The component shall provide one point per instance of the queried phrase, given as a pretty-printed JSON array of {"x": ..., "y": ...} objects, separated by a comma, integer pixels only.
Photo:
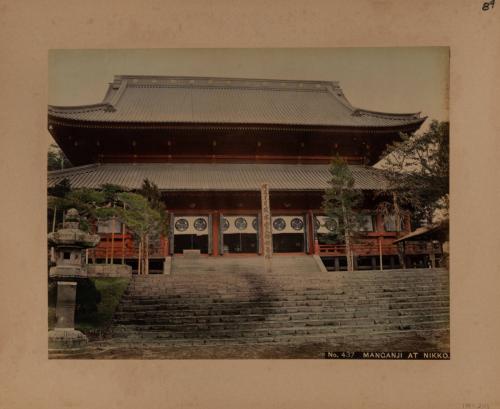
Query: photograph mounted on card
[{"x": 249, "y": 203}]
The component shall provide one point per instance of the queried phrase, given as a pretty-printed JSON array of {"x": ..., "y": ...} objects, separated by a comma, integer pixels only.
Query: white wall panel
[
  {"x": 189, "y": 222},
  {"x": 247, "y": 224},
  {"x": 289, "y": 221}
]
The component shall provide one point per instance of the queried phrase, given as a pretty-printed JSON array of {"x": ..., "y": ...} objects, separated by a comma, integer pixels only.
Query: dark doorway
[
  {"x": 288, "y": 243},
  {"x": 240, "y": 243},
  {"x": 190, "y": 242}
]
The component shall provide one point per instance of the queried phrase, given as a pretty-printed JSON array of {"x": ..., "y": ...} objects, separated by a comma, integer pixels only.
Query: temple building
[{"x": 210, "y": 144}]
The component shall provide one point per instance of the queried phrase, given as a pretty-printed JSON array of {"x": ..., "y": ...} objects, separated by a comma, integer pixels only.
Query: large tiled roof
[
  {"x": 218, "y": 177},
  {"x": 158, "y": 99}
]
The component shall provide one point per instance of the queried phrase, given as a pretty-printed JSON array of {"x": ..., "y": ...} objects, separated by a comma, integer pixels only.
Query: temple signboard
[{"x": 267, "y": 235}]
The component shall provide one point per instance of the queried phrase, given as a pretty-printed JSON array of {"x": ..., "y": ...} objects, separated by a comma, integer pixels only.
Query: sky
[{"x": 413, "y": 79}]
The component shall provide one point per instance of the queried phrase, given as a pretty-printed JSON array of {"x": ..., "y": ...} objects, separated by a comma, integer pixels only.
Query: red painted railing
[
  {"x": 123, "y": 246},
  {"x": 374, "y": 249}
]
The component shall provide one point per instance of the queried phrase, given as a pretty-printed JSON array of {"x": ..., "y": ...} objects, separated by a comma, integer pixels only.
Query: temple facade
[{"x": 210, "y": 144}]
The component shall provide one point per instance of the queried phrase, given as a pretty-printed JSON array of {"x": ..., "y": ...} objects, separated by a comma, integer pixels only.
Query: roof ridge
[
  {"x": 222, "y": 82},
  {"x": 195, "y": 77}
]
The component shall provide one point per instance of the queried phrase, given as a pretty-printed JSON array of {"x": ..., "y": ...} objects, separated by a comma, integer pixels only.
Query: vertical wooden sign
[{"x": 267, "y": 235}]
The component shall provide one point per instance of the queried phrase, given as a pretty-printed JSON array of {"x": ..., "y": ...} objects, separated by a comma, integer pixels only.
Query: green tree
[
  {"x": 418, "y": 170},
  {"x": 340, "y": 203},
  {"x": 152, "y": 193},
  {"x": 56, "y": 159},
  {"x": 144, "y": 221},
  {"x": 144, "y": 214},
  {"x": 55, "y": 196}
]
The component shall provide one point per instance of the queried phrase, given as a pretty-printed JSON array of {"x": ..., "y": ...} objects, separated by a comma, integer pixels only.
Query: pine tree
[
  {"x": 418, "y": 169},
  {"x": 340, "y": 202},
  {"x": 154, "y": 197},
  {"x": 143, "y": 221}
]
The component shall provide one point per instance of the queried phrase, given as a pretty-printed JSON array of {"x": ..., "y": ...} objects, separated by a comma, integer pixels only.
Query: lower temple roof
[{"x": 214, "y": 176}]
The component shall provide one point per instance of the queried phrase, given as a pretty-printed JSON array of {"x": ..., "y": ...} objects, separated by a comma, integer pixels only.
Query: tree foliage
[
  {"x": 341, "y": 202},
  {"x": 56, "y": 159},
  {"x": 151, "y": 192},
  {"x": 144, "y": 213},
  {"x": 418, "y": 169}
]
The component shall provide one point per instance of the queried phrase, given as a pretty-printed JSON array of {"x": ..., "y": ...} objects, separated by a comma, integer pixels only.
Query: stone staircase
[
  {"x": 235, "y": 302},
  {"x": 243, "y": 264}
]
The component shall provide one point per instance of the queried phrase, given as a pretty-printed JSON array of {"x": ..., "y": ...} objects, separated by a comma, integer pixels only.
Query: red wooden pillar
[
  {"x": 310, "y": 233},
  {"x": 215, "y": 233},
  {"x": 316, "y": 247}
]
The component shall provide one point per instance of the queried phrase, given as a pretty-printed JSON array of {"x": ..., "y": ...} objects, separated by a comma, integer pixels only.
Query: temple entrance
[
  {"x": 289, "y": 234},
  {"x": 191, "y": 233},
  {"x": 239, "y": 234}
]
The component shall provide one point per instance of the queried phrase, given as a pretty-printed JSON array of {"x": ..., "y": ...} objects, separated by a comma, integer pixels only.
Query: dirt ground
[{"x": 110, "y": 350}]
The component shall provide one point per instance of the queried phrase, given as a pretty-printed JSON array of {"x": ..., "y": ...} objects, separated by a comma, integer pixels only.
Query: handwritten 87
[{"x": 486, "y": 6}]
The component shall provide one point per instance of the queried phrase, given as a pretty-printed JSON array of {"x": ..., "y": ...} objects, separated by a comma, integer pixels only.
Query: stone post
[
  {"x": 65, "y": 336},
  {"x": 65, "y": 307}
]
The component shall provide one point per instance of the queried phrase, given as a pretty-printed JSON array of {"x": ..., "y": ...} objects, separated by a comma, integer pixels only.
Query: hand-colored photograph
[{"x": 248, "y": 203}]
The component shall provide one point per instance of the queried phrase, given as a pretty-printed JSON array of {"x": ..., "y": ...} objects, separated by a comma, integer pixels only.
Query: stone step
[
  {"x": 270, "y": 319},
  {"x": 394, "y": 302},
  {"x": 249, "y": 306},
  {"x": 359, "y": 338},
  {"x": 195, "y": 292},
  {"x": 187, "y": 316},
  {"x": 179, "y": 325},
  {"x": 285, "y": 285},
  {"x": 242, "y": 264},
  {"x": 257, "y": 333},
  {"x": 276, "y": 312},
  {"x": 359, "y": 275},
  {"x": 278, "y": 295}
]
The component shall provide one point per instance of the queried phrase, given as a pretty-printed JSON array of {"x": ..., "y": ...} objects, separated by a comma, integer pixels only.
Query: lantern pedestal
[{"x": 65, "y": 336}]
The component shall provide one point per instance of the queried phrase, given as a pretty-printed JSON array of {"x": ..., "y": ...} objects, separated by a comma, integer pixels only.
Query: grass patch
[{"x": 110, "y": 289}]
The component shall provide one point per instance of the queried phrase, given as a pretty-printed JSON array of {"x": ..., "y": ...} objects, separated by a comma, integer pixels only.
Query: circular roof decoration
[
  {"x": 297, "y": 224},
  {"x": 331, "y": 225},
  {"x": 182, "y": 224},
  {"x": 200, "y": 224},
  {"x": 254, "y": 224},
  {"x": 240, "y": 223},
  {"x": 279, "y": 224},
  {"x": 317, "y": 224},
  {"x": 225, "y": 224}
]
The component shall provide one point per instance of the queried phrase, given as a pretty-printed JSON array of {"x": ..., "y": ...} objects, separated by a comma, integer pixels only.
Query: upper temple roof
[{"x": 166, "y": 99}]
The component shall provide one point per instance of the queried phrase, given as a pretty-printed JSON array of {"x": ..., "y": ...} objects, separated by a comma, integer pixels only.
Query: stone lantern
[{"x": 69, "y": 243}]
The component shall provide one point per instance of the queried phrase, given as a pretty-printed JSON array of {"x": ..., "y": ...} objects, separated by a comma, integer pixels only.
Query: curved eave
[
  {"x": 78, "y": 108},
  {"x": 62, "y": 121}
]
